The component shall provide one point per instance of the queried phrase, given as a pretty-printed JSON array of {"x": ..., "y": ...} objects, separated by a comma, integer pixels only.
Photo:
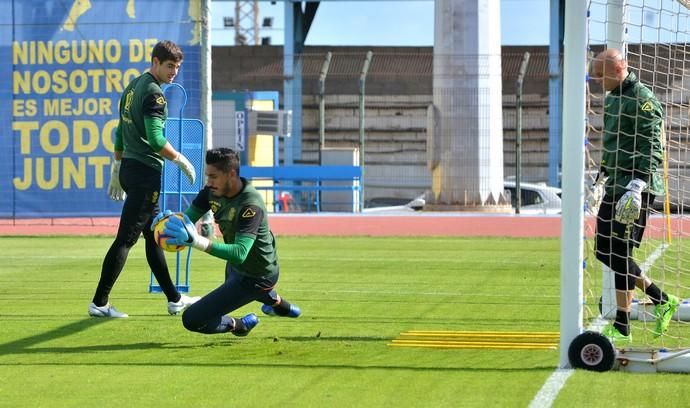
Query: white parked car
[
  {"x": 535, "y": 198},
  {"x": 393, "y": 205}
]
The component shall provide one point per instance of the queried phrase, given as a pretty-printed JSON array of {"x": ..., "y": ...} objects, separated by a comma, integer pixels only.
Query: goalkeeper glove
[
  {"x": 184, "y": 233},
  {"x": 159, "y": 217},
  {"x": 115, "y": 191},
  {"x": 596, "y": 193},
  {"x": 186, "y": 167},
  {"x": 629, "y": 206}
]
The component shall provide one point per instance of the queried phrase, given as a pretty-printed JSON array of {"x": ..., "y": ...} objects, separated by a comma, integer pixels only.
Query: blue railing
[{"x": 308, "y": 178}]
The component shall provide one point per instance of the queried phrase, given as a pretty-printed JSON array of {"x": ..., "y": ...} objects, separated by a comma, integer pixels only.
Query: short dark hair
[
  {"x": 167, "y": 51},
  {"x": 224, "y": 159}
]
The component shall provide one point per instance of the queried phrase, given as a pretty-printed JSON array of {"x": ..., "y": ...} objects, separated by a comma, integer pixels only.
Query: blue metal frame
[
  {"x": 154, "y": 287},
  {"x": 284, "y": 177},
  {"x": 555, "y": 86},
  {"x": 297, "y": 25}
]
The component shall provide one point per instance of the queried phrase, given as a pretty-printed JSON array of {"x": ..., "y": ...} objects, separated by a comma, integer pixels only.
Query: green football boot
[
  {"x": 615, "y": 336},
  {"x": 664, "y": 313}
]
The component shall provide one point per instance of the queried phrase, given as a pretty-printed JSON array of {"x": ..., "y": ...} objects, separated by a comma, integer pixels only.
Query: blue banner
[{"x": 63, "y": 65}]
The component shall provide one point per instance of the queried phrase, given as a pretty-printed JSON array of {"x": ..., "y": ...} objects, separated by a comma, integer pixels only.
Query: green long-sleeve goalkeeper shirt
[
  {"x": 633, "y": 137},
  {"x": 143, "y": 111},
  {"x": 249, "y": 243}
]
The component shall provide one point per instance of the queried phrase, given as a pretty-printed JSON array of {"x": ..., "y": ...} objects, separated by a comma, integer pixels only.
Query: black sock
[
  {"x": 622, "y": 322},
  {"x": 655, "y": 294},
  {"x": 282, "y": 308},
  {"x": 238, "y": 325}
]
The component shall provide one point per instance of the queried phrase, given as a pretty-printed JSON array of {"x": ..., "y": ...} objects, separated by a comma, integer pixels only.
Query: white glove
[
  {"x": 186, "y": 167},
  {"x": 115, "y": 191},
  {"x": 628, "y": 207},
  {"x": 596, "y": 194}
]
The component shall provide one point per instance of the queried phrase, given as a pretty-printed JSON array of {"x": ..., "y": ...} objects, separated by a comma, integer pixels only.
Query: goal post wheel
[{"x": 592, "y": 351}]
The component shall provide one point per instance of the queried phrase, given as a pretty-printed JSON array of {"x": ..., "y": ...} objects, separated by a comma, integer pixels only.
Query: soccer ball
[{"x": 161, "y": 238}]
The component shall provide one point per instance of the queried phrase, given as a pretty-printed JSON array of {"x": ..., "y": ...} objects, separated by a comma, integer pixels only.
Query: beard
[{"x": 224, "y": 191}]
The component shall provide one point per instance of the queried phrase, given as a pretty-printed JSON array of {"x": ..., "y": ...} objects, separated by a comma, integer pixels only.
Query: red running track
[
  {"x": 414, "y": 224},
  {"x": 329, "y": 225}
]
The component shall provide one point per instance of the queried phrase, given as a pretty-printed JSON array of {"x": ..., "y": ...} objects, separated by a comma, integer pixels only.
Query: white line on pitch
[
  {"x": 549, "y": 391},
  {"x": 653, "y": 257},
  {"x": 553, "y": 385}
]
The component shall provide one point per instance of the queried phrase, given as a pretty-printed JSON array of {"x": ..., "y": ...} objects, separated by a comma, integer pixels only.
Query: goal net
[{"x": 654, "y": 37}]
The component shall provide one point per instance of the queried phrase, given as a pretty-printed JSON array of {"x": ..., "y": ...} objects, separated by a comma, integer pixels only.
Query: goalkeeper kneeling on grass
[
  {"x": 249, "y": 248},
  {"x": 629, "y": 181}
]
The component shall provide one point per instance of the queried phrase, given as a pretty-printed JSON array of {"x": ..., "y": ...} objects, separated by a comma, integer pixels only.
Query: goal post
[
  {"x": 572, "y": 192},
  {"x": 654, "y": 36}
]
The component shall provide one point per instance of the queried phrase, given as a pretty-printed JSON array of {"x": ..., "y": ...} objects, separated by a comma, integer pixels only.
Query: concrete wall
[
  {"x": 395, "y": 147},
  {"x": 398, "y": 93}
]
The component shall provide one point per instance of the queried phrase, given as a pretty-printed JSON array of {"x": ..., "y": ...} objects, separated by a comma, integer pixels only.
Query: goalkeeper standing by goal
[
  {"x": 629, "y": 182},
  {"x": 249, "y": 247},
  {"x": 140, "y": 148}
]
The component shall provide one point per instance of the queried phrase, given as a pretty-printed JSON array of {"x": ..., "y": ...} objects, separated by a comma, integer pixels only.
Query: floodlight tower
[{"x": 247, "y": 22}]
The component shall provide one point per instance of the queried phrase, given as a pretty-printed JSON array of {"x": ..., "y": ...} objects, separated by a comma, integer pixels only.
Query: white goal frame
[
  {"x": 573, "y": 171},
  {"x": 573, "y": 167}
]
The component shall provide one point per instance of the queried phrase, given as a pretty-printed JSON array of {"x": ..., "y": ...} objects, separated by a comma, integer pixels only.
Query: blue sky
[{"x": 388, "y": 23}]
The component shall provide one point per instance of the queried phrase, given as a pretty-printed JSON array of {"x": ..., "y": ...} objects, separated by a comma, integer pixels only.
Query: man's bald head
[{"x": 609, "y": 68}]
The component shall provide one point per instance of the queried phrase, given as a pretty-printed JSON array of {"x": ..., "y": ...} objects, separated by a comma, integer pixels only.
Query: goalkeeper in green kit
[
  {"x": 140, "y": 148},
  {"x": 249, "y": 249},
  {"x": 629, "y": 181}
]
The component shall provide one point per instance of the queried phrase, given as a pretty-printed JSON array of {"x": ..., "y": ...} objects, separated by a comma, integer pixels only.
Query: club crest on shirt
[
  {"x": 248, "y": 213},
  {"x": 215, "y": 206},
  {"x": 647, "y": 106}
]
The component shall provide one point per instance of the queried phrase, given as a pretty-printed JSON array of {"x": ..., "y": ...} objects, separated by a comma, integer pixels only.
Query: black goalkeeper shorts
[
  {"x": 614, "y": 237},
  {"x": 142, "y": 184}
]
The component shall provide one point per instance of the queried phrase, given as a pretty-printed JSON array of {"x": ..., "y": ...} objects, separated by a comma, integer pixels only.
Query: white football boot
[
  {"x": 184, "y": 302},
  {"x": 105, "y": 311}
]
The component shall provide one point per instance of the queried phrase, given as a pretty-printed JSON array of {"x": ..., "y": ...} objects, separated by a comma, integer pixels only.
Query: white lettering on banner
[{"x": 240, "y": 134}]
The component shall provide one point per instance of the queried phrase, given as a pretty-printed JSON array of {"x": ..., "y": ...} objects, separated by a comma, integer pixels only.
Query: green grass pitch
[{"x": 357, "y": 294}]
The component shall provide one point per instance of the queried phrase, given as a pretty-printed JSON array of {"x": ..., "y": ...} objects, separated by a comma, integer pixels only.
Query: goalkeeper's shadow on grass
[
  {"x": 26, "y": 344},
  {"x": 105, "y": 348}
]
